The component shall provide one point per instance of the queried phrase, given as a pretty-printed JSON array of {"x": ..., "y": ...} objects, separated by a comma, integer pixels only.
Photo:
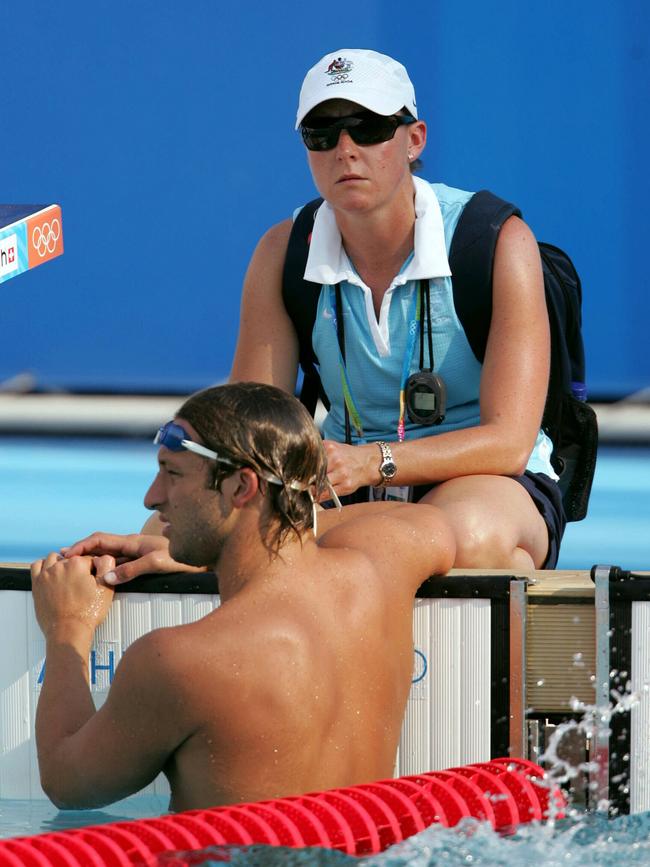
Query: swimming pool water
[
  {"x": 24, "y": 818},
  {"x": 591, "y": 840},
  {"x": 56, "y": 490},
  {"x": 579, "y": 842}
]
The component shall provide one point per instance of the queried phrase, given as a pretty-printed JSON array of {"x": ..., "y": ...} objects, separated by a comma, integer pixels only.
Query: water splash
[
  {"x": 593, "y": 840},
  {"x": 594, "y": 724}
]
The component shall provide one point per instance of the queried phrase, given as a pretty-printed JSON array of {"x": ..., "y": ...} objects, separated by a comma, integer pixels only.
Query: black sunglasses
[{"x": 364, "y": 129}]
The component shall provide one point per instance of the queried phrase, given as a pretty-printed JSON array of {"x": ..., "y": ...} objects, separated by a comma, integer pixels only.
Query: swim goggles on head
[
  {"x": 365, "y": 128},
  {"x": 175, "y": 438}
]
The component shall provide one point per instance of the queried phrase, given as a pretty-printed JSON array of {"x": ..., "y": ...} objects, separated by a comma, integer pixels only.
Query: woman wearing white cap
[{"x": 457, "y": 433}]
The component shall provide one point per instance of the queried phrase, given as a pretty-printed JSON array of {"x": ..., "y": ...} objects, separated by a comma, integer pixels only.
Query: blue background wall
[{"x": 165, "y": 131}]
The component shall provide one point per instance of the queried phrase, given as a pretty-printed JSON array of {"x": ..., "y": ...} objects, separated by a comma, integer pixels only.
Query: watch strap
[{"x": 386, "y": 458}]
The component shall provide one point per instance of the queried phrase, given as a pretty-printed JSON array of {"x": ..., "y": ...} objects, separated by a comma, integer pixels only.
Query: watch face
[{"x": 388, "y": 469}]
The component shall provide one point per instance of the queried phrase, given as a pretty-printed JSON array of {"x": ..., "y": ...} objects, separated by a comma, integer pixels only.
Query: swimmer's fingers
[
  {"x": 145, "y": 565},
  {"x": 103, "y": 566},
  {"x": 38, "y": 567},
  {"x": 155, "y": 562},
  {"x": 97, "y": 544}
]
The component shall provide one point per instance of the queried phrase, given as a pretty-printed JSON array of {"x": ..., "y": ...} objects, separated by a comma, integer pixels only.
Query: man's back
[{"x": 296, "y": 683}]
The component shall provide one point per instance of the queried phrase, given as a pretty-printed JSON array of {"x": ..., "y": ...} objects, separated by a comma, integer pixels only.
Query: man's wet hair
[{"x": 270, "y": 431}]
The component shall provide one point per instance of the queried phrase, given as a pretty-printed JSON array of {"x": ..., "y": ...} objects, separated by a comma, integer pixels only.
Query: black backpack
[{"x": 569, "y": 421}]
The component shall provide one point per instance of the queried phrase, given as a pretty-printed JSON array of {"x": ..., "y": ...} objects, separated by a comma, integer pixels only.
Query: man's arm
[{"x": 89, "y": 758}]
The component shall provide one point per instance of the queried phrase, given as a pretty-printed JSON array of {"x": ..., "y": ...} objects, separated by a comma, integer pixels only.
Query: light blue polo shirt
[{"x": 376, "y": 347}]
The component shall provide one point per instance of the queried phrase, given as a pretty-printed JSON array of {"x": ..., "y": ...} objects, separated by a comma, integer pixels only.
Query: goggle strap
[
  {"x": 205, "y": 452},
  {"x": 314, "y": 512},
  {"x": 333, "y": 494}
]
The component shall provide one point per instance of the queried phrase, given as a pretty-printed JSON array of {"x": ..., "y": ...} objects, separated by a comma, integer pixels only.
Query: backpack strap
[
  {"x": 300, "y": 298},
  {"x": 471, "y": 258}
]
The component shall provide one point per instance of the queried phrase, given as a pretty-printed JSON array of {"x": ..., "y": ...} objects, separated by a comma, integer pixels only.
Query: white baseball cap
[{"x": 373, "y": 80}]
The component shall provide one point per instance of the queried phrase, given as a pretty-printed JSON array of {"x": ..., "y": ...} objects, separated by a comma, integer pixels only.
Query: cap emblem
[{"x": 338, "y": 70}]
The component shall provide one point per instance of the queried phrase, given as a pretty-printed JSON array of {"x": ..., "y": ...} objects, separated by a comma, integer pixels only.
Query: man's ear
[{"x": 245, "y": 488}]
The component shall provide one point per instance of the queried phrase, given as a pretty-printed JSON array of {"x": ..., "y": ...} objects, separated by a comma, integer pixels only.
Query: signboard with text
[{"x": 29, "y": 236}]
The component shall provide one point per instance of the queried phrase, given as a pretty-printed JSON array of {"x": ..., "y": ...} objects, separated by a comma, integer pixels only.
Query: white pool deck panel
[
  {"x": 451, "y": 692},
  {"x": 448, "y": 719}
]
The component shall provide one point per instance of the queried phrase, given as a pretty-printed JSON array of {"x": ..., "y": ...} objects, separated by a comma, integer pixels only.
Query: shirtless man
[{"x": 298, "y": 681}]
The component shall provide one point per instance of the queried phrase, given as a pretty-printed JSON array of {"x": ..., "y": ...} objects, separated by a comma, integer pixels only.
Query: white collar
[{"x": 328, "y": 262}]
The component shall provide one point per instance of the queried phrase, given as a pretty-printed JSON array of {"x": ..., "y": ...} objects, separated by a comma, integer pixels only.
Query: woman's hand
[{"x": 351, "y": 467}]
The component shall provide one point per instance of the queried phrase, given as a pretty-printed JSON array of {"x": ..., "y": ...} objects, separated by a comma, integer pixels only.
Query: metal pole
[
  {"x": 518, "y": 742},
  {"x": 599, "y": 777}
]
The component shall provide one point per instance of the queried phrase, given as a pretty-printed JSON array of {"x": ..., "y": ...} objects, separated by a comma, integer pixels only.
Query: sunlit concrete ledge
[
  {"x": 623, "y": 422},
  {"x": 113, "y": 415},
  {"x": 140, "y": 415}
]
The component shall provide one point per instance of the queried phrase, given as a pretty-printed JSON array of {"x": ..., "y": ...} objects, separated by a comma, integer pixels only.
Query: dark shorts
[{"x": 546, "y": 495}]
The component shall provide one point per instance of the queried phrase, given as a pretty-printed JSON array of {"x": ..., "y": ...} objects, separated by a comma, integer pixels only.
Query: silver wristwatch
[{"x": 387, "y": 467}]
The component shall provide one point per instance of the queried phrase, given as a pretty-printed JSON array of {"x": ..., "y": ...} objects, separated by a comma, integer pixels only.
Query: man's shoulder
[
  {"x": 374, "y": 531},
  {"x": 411, "y": 540},
  {"x": 165, "y": 659},
  {"x": 165, "y": 648}
]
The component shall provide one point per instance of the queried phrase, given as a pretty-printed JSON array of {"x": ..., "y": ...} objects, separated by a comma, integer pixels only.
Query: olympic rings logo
[
  {"x": 45, "y": 237},
  {"x": 338, "y": 78}
]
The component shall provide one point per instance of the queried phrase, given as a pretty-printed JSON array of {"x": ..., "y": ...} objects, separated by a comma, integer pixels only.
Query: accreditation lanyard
[{"x": 413, "y": 328}]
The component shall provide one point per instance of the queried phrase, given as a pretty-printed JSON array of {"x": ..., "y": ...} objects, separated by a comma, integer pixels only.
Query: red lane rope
[{"x": 357, "y": 820}]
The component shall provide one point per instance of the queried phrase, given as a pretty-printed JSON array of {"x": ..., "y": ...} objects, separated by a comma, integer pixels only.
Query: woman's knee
[
  {"x": 492, "y": 523},
  {"x": 485, "y": 539},
  {"x": 483, "y": 546}
]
